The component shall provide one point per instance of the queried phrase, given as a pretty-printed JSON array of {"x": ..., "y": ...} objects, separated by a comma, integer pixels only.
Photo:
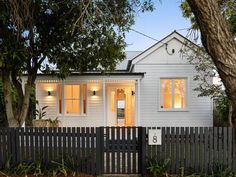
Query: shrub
[{"x": 158, "y": 168}]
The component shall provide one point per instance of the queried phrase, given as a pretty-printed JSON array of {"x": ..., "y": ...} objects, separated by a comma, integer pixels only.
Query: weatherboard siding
[
  {"x": 94, "y": 116},
  {"x": 199, "y": 109}
]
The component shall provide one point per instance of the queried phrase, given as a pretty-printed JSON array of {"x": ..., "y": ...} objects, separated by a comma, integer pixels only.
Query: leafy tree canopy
[{"x": 80, "y": 35}]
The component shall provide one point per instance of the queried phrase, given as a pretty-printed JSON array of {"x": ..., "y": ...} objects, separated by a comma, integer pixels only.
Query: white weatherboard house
[{"x": 150, "y": 88}]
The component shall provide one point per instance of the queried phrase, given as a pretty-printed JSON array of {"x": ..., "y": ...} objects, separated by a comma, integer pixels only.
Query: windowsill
[
  {"x": 73, "y": 115},
  {"x": 173, "y": 110}
]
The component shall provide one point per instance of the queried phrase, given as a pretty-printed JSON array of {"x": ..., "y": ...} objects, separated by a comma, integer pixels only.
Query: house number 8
[{"x": 154, "y": 139}]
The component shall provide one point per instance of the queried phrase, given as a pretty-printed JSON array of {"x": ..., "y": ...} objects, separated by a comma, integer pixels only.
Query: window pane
[
  {"x": 84, "y": 98},
  {"x": 59, "y": 98},
  {"x": 72, "y": 106},
  {"x": 180, "y": 93},
  {"x": 72, "y": 91},
  {"x": 166, "y": 93}
]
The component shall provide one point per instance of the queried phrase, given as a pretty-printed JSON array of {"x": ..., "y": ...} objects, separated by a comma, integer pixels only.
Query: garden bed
[{"x": 2, "y": 174}]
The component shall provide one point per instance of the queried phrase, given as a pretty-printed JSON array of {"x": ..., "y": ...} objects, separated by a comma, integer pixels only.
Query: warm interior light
[
  {"x": 173, "y": 91},
  {"x": 72, "y": 99},
  {"x": 180, "y": 93},
  {"x": 166, "y": 93}
]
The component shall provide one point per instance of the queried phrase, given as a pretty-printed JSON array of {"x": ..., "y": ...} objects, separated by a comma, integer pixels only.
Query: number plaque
[{"x": 154, "y": 137}]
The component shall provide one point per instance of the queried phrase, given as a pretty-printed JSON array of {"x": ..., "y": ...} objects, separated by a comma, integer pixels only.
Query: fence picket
[
  {"x": 196, "y": 148},
  {"x": 118, "y": 150},
  {"x": 220, "y": 144},
  {"x": 177, "y": 142},
  {"x": 225, "y": 146},
  {"x": 182, "y": 148},
  {"x": 88, "y": 158},
  {"x": 163, "y": 144},
  {"x": 74, "y": 150},
  {"x": 201, "y": 150},
  {"x": 149, "y": 150},
  {"x": 59, "y": 143},
  {"x": 187, "y": 144},
  {"x": 128, "y": 151},
  {"x": 107, "y": 150},
  {"x": 112, "y": 150},
  {"x": 211, "y": 147},
  {"x": 134, "y": 150},
  {"x": 83, "y": 148},
  {"x": 234, "y": 149},
  {"x": 192, "y": 148},
  {"x": 230, "y": 154},
  {"x": 206, "y": 150},
  {"x": 173, "y": 150}
]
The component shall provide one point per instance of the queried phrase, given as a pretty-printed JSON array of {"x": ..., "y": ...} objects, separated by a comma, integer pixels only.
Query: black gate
[{"x": 122, "y": 148}]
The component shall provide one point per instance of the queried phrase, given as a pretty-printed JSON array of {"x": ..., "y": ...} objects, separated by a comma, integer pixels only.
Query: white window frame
[
  {"x": 63, "y": 99},
  {"x": 187, "y": 94}
]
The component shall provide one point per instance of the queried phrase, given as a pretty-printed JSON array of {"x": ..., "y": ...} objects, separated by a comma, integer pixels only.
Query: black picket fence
[{"x": 120, "y": 150}]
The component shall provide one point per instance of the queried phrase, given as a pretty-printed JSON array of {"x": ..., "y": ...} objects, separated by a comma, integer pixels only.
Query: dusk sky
[{"x": 166, "y": 18}]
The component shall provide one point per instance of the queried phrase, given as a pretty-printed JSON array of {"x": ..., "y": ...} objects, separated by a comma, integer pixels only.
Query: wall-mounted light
[
  {"x": 49, "y": 93},
  {"x": 133, "y": 93},
  {"x": 94, "y": 92}
]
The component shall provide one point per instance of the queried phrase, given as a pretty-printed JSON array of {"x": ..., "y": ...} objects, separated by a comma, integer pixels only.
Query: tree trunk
[
  {"x": 25, "y": 105},
  {"x": 16, "y": 117},
  {"x": 219, "y": 44},
  {"x": 12, "y": 122}
]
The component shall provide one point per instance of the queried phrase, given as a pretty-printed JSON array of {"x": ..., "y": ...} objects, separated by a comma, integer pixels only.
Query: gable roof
[{"x": 164, "y": 41}]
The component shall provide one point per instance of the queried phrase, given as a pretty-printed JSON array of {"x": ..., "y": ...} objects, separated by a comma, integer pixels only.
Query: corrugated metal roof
[{"x": 129, "y": 56}]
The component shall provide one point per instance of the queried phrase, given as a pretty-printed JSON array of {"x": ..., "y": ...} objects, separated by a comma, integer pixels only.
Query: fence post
[
  {"x": 12, "y": 139},
  {"x": 142, "y": 152},
  {"x": 12, "y": 142},
  {"x": 99, "y": 150}
]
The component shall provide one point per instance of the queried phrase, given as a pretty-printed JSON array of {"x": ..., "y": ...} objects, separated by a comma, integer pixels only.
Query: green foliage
[
  {"x": 27, "y": 168},
  {"x": 53, "y": 122},
  {"x": 219, "y": 170},
  {"x": 206, "y": 71},
  {"x": 158, "y": 168},
  {"x": 41, "y": 112},
  {"x": 221, "y": 111},
  {"x": 3, "y": 119},
  {"x": 67, "y": 166}
]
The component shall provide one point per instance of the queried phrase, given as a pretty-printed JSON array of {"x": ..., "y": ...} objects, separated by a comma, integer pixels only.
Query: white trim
[
  {"x": 158, "y": 45},
  {"x": 104, "y": 102},
  {"x": 62, "y": 98},
  {"x": 138, "y": 117},
  {"x": 86, "y": 99},
  {"x": 63, "y": 114},
  {"x": 75, "y": 78}
]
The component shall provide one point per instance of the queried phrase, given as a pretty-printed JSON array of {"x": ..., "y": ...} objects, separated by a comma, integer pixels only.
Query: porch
[{"x": 91, "y": 100}]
